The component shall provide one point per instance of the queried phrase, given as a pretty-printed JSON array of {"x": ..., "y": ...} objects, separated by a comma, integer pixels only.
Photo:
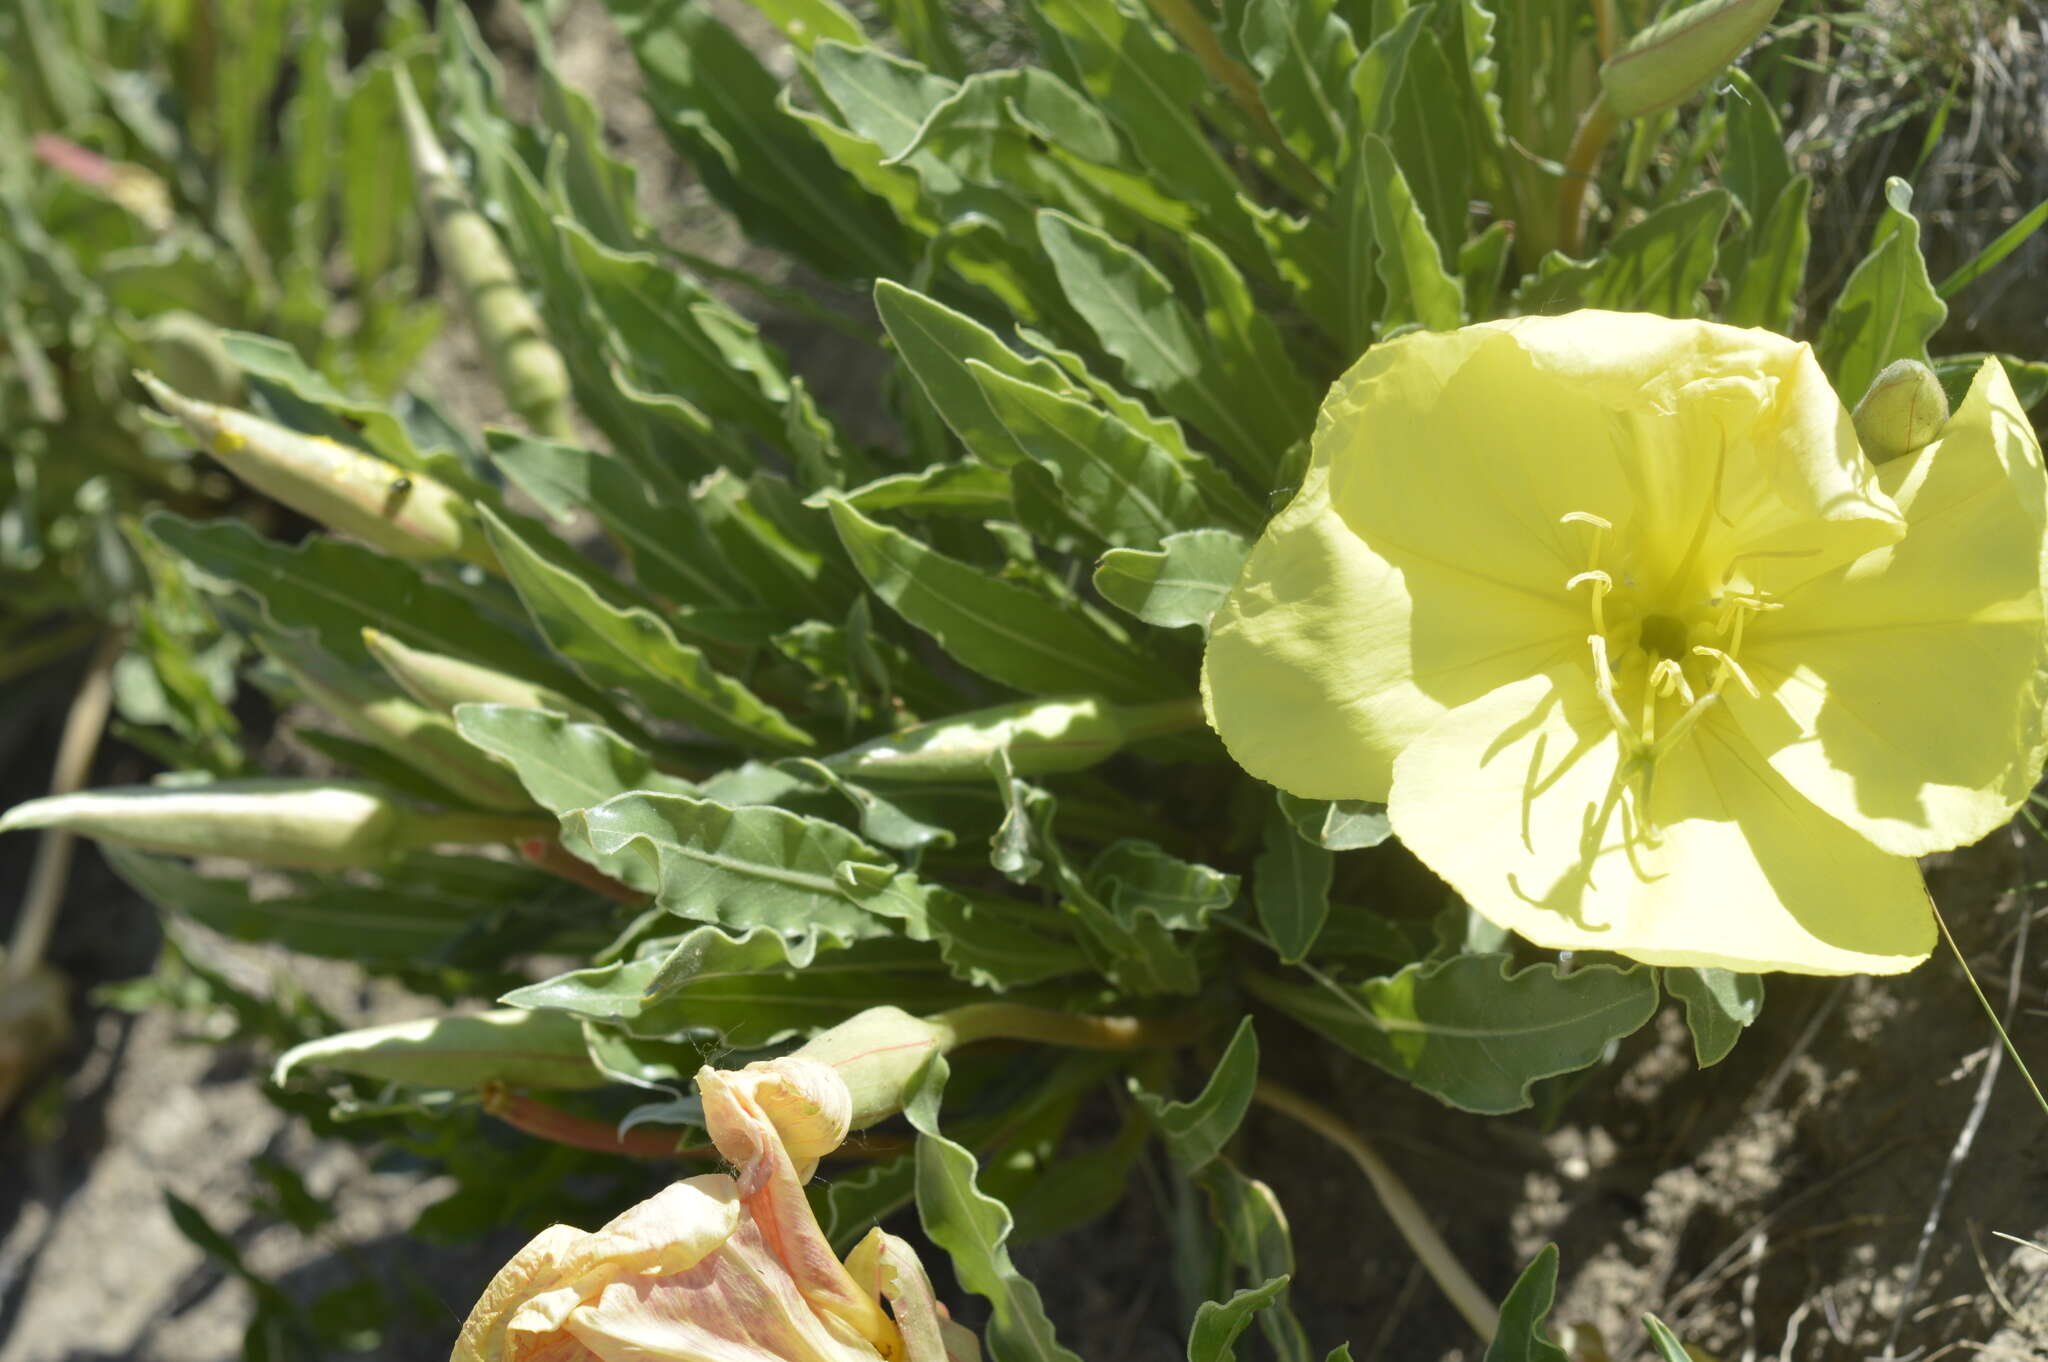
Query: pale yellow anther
[
  {"x": 1593, "y": 576},
  {"x": 1601, "y": 584},
  {"x": 1585, "y": 518},
  {"x": 1667, "y": 678},
  {"x": 1728, "y": 667}
]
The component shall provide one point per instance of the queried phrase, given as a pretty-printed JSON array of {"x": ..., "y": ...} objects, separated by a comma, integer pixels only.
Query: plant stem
[
  {"x": 1014, "y": 1021},
  {"x": 1589, "y": 144},
  {"x": 1989, "y": 1011},
  {"x": 550, "y": 1123},
  {"x": 1401, "y": 1207},
  {"x": 83, "y": 726}
]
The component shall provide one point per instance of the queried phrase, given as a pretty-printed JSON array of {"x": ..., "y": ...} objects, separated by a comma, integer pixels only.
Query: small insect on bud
[
  {"x": 1904, "y": 411},
  {"x": 1670, "y": 60}
]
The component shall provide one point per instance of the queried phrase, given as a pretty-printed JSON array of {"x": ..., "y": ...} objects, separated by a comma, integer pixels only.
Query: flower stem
[
  {"x": 83, "y": 726},
  {"x": 1589, "y": 144},
  {"x": 1989, "y": 1011},
  {"x": 1014, "y": 1021},
  {"x": 556, "y": 1126},
  {"x": 1401, "y": 1207}
]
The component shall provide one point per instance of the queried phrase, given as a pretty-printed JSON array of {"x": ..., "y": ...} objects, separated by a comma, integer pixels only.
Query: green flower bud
[
  {"x": 1904, "y": 410},
  {"x": 378, "y": 713},
  {"x": 441, "y": 683},
  {"x": 1671, "y": 59},
  {"x": 877, "y": 1053},
  {"x": 1044, "y": 737},
  {"x": 306, "y": 824},
  {"x": 529, "y": 369},
  {"x": 406, "y": 514}
]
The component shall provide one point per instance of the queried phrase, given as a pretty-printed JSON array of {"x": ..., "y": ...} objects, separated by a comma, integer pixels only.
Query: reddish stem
[{"x": 552, "y": 857}]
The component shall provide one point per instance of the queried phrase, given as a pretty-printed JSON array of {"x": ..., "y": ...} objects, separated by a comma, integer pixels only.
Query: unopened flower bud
[
  {"x": 1904, "y": 410},
  {"x": 406, "y": 514},
  {"x": 305, "y": 824},
  {"x": 1670, "y": 60},
  {"x": 1044, "y": 737},
  {"x": 877, "y": 1053},
  {"x": 441, "y": 682}
]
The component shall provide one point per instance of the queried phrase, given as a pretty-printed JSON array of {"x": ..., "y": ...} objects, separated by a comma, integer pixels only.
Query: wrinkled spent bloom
[
  {"x": 1641, "y": 651},
  {"x": 723, "y": 1269}
]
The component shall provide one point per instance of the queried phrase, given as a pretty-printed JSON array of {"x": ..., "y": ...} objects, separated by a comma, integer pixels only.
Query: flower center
[{"x": 1672, "y": 653}]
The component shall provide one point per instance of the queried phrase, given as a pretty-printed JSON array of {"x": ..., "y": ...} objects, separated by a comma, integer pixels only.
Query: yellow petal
[
  {"x": 1423, "y": 563},
  {"x": 735, "y": 1306},
  {"x": 1518, "y": 800},
  {"x": 521, "y": 1315},
  {"x": 1905, "y": 694}
]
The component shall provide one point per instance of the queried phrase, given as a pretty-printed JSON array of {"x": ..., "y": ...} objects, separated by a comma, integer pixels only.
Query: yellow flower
[
  {"x": 723, "y": 1269},
  {"x": 1640, "y": 650}
]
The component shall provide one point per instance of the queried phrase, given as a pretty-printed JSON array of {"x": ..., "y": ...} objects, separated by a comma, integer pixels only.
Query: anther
[
  {"x": 1601, "y": 584},
  {"x": 1667, "y": 678},
  {"x": 1585, "y": 518},
  {"x": 1728, "y": 667}
]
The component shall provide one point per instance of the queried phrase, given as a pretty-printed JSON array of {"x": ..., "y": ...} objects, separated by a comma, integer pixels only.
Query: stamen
[
  {"x": 1601, "y": 584},
  {"x": 1603, "y": 686},
  {"x": 1667, "y": 678},
  {"x": 1728, "y": 665},
  {"x": 1585, "y": 518}
]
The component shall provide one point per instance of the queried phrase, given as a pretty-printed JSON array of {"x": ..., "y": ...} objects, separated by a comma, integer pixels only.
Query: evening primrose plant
[{"x": 729, "y": 698}]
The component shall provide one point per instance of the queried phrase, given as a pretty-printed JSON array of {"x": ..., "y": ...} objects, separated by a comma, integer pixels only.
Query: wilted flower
[
  {"x": 1642, "y": 652},
  {"x": 723, "y": 1269}
]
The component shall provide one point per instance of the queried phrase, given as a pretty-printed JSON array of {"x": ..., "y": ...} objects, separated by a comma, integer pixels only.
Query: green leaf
[
  {"x": 1433, "y": 141},
  {"x": 1180, "y": 584},
  {"x": 1410, "y": 265},
  {"x": 1659, "y": 265},
  {"x": 1006, "y": 633},
  {"x": 1126, "y": 490},
  {"x": 1339, "y": 825},
  {"x": 738, "y": 868},
  {"x": 937, "y": 343},
  {"x": 1137, "y": 879},
  {"x": 525, "y": 1049},
  {"x": 1521, "y": 1337},
  {"x": 972, "y": 1228},
  {"x": 1195, "y": 1132},
  {"x": 1291, "y": 882},
  {"x": 633, "y": 651},
  {"x": 1218, "y": 1323},
  {"x": 967, "y": 489},
  {"x": 1888, "y": 309},
  {"x": 1154, "y": 90},
  {"x": 670, "y": 548},
  {"x": 1772, "y": 275},
  {"x": 1257, "y": 1244},
  {"x": 1001, "y": 944},
  {"x": 1754, "y": 165},
  {"x": 563, "y": 764},
  {"x": 1133, "y": 312},
  {"x": 1989, "y": 259},
  {"x": 1669, "y": 1349},
  {"x": 336, "y": 589},
  {"x": 1303, "y": 54},
  {"x": 1470, "y": 1032},
  {"x": 718, "y": 106},
  {"x": 1718, "y": 1005},
  {"x": 1246, "y": 350},
  {"x": 753, "y": 988}
]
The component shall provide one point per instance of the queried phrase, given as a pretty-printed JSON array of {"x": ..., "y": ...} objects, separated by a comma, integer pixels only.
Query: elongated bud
[
  {"x": 529, "y": 369},
  {"x": 1044, "y": 737},
  {"x": 408, "y": 515},
  {"x": 877, "y": 1053},
  {"x": 378, "y": 713},
  {"x": 539, "y": 1049},
  {"x": 441, "y": 683},
  {"x": 1904, "y": 410},
  {"x": 135, "y": 188},
  {"x": 1671, "y": 59}
]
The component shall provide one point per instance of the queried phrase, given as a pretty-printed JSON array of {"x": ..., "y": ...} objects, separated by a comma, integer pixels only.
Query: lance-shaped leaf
[
  {"x": 526, "y": 1049},
  {"x": 1521, "y": 1336},
  {"x": 1291, "y": 884},
  {"x": 564, "y": 764},
  {"x": 1005, "y": 632},
  {"x": 1471, "y": 1032},
  {"x": 1718, "y": 1005},
  {"x": 1419, "y": 288},
  {"x": 1888, "y": 309},
  {"x": 1658, "y": 265},
  {"x": 634, "y": 651},
  {"x": 1768, "y": 289},
  {"x": 972, "y": 1227},
  {"x": 1213, "y": 1337},
  {"x": 1196, "y": 1131},
  {"x": 755, "y": 987},
  {"x": 1135, "y": 315},
  {"x": 755, "y": 866},
  {"x": 1303, "y": 53}
]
